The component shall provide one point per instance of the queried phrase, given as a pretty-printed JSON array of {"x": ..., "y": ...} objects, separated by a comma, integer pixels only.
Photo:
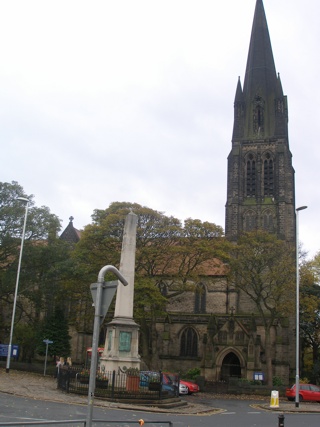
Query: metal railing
[{"x": 117, "y": 385}]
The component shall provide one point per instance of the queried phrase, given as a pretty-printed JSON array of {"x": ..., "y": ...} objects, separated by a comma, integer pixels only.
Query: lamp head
[
  {"x": 301, "y": 208},
  {"x": 23, "y": 199}
]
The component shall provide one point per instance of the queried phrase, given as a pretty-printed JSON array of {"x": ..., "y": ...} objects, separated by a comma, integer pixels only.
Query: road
[{"x": 236, "y": 413}]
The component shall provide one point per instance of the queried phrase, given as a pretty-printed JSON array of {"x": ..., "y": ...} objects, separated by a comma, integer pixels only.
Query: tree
[
  {"x": 165, "y": 250},
  {"x": 149, "y": 304},
  {"x": 310, "y": 316},
  {"x": 44, "y": 262},
  {"x": 55, "y": 328},
  {"x": 164, "y": 246},
  {"x": 263, "y": 268}
]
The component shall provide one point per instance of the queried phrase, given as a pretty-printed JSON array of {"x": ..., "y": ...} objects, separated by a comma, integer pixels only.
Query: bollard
[
  {"x": 281, "y": 421},
  {"x": 274, "y": 401}
]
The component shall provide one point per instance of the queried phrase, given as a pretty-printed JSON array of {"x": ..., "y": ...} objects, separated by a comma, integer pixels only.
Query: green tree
[
  {"x": 44, "y": 266},
  {"x": 310, "y": 316},
  {"x": 165, "y": 249},
  {"x": 55, "y": 328},
  {"x": 263, "y": 268}
]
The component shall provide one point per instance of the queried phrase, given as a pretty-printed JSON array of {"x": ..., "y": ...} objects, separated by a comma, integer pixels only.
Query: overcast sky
[{"x": 132, "y": 100}]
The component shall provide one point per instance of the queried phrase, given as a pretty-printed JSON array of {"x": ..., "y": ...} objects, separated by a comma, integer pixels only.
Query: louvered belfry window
[
  {"x": 251, "y": 176},
  {"x": 268, "y": 176}
]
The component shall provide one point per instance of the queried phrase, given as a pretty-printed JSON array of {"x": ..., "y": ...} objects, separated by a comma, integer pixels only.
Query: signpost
[{"x": 47, "y": 342}]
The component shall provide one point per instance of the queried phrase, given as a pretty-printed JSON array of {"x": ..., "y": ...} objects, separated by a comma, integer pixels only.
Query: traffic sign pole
[{"x": 47, "y": 342}]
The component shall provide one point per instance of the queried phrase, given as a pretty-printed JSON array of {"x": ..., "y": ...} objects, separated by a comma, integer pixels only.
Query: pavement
[{"x": 39, "y": 387}]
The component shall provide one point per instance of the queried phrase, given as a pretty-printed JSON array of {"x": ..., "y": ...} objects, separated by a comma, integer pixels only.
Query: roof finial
[{"x": 71, "y": 218}]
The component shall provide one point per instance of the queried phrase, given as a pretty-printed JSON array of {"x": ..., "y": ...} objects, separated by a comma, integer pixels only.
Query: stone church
[{"x": 213, "y": 328}]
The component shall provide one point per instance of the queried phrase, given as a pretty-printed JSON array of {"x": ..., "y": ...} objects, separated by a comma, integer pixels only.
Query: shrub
[
  {"x": 277, "y": 381},
  {"x": 192, "y": 374}
]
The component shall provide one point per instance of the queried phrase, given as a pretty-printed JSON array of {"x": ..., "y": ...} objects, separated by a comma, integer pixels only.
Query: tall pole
[
  {"x": 26, "y": 201},
  {"x": 297, "y": 308},
  {"x": 101, "y": 294}
]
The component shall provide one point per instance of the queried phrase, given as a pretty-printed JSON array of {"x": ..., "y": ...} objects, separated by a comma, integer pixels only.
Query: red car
[
  {"x": 306, "y": 392},
  {"x": 192, "y": 387}
]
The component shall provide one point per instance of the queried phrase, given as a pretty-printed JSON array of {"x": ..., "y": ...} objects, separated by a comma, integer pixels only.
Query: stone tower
[{"x": 260, "y": 189}]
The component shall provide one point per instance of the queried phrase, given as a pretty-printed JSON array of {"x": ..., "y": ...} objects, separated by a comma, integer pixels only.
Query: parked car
[
  {"x": 192, "y": 387},
  {"x": 149, "y": 378},
  {"x": 306, "y": 392},
  {"x": 185, "y": 387}
]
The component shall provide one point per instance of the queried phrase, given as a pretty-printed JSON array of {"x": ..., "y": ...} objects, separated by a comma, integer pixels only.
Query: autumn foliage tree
[
  {"x": 310, "y": 316},
  {"x": 263, "y": 268},
  {"x": 166, "y": 248}
]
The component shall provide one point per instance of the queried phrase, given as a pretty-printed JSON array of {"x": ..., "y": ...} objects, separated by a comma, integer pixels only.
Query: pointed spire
[
  {"x": 239, "y": 107},
  {"x": 260, "y": 63},
  {"x": 262, "y": 87},
  {"x": 239, "y": 92}
]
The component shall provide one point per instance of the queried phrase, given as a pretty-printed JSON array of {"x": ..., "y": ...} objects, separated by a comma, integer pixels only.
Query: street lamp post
[
  {"x": 26, "y": 201},
  {"x": 297, "y": 308}
]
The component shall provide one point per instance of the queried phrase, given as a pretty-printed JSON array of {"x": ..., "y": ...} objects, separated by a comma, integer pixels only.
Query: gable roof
[{"x": 70, "y": 233}]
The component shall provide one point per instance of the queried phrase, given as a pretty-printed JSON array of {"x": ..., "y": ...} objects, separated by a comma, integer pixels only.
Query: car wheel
[{"x": 300, "y": 398}]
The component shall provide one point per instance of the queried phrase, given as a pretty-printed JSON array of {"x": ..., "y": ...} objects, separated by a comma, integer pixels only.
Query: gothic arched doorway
[{"x": 230, "y": 367}]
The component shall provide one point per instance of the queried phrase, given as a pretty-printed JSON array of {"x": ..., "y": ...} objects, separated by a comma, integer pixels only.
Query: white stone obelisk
[
  {"x": 125, "y": 294},
  {"x": 122, "y": 337}
]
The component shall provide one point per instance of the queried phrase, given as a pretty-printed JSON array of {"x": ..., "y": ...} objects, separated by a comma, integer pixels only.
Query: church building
[{"x": 211, "y": 327}]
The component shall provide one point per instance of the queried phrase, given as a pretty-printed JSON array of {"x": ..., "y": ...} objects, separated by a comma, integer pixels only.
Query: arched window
[
  {"x": 200, "y": 299},
  {"x": 250, "y": 223},
  {"x": 251, "y": 176},
  {"x": 189, "y": 343},
  {"x": 268, "y": 224},
  {"x": 268, "y": 176}
]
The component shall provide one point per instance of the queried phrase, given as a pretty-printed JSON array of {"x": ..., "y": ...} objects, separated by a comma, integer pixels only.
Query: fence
[{"x": 118, "y": 385}]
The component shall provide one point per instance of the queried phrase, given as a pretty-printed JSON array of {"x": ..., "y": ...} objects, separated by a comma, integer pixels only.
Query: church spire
[
  {"x": 260, "y": 191},
  {"x": 260, "y": 69},
  {"x": 261, "y": 89}
]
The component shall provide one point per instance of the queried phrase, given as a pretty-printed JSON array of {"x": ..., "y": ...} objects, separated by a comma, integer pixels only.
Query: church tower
[{"x": 260, "y": 189}]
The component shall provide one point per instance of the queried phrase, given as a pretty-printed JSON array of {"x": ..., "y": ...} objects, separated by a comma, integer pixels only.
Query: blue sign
[
  {"x": 258, "y": 376},
  {"x": 4, "y": 350}
]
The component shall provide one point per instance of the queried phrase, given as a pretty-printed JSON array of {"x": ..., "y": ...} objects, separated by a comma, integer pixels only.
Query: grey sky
[{"x": 106, "y": 101}]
